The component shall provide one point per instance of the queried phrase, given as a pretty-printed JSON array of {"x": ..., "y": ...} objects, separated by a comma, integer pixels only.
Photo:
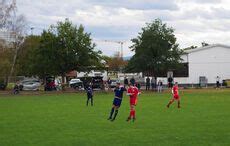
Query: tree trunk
[
  {"x": 17, "y": 47},
  {"x": 63, "y": 78}
]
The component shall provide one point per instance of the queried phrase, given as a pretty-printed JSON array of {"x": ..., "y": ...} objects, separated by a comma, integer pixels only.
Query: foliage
[
  {"x": 156, "y": 50},
  {"x": 60, "y": 49}
]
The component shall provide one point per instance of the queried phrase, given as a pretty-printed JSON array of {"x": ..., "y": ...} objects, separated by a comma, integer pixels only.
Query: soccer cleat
[
  {"x": 112, "y": 119},
  {"x": 128, "y": 119},
  {"x": 167, "y": 106},
  {"x": 109, "y": 118}
]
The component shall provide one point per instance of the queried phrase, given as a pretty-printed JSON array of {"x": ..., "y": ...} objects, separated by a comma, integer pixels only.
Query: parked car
[
  {"x": 97, "y": 82},
  {"x": 76, "y": 84},
  {"x": 29, "y": 84},
  {"x": 2, "y": 86},
  {"x": 113, "y": 83}
]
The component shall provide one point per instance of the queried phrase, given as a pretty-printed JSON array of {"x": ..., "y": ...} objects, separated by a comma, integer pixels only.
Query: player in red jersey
[
  {"x": 176, "y": 96},
  {"x": 132, "y": 92}
]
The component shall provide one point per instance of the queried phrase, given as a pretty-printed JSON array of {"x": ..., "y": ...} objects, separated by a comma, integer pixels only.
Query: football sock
[
  {"x": 116, "y": 112},
  {"x": 111, "y": 113},
  {"x": 87, "y": 102},
  {"x": 178, "y": 104},
  {"x": 134, "y": 114},
  {"x": 130, "y": 114}
]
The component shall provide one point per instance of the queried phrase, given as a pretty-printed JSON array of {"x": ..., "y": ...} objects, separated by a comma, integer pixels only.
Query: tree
[
  {"x": 156, "y": 50},
  {"x": 12, "y": 26},
  {"x": 25, "y": 62},
  {"x": 5, "y": 62},
  {"x": 64, "y": 47}
]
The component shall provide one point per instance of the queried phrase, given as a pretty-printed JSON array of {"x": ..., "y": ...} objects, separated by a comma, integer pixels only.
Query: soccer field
[{"x": 64, "y": 120}]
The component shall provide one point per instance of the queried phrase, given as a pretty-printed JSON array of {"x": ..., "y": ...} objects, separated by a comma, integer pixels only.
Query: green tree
[
  {"x": 156, "y": 50},
  {"x": 26, "y": 61},
  {"x": 5, "y": 63},
  {"x": 65, "y": 47}
]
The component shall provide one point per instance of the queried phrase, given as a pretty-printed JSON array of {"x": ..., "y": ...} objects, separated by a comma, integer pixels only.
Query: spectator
[
  {"x": 126, "y": 82},
  {"x": 217, "y": 82},
  {"x": 109, "y": 82},
  {"x": 170, "y": 82},
  {"x": 153, "y": 83},
  {"x": 147, "y": 83},
  {"x": 159, "y": 86},
  {"x": 132, "y": 81},
  {"x": 138, "y": 85}
]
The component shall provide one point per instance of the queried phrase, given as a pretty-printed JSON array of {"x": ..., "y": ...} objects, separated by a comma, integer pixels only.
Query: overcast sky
[{"x": 194, "y": 21}]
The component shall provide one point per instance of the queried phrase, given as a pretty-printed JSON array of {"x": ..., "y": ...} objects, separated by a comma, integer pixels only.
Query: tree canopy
[
  {"x": 60, "y": 49},
  {"x": 156, "y": 50}
]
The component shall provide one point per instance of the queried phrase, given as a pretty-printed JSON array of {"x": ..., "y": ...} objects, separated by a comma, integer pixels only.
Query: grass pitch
[{"x": 64, "y": 120}]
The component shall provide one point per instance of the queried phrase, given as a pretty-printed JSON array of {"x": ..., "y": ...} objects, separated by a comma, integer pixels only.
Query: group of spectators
[
  {"x": 150, "y": 84},
  {"x": 154, "y": 84}
]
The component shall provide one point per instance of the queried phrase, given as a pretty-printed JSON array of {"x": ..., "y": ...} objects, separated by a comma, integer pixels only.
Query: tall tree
[
  {"x": 5, "y": 62},
  {"x": 25, "y": 62},
  {"x": 65, "y": 47},
  {"x": 156, "y": 50}
]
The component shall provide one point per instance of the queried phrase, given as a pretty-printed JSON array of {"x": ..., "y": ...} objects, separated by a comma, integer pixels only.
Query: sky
[{"x": 111, "y": 21}]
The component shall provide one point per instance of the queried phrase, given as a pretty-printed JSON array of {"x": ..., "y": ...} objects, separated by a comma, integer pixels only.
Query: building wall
[{"x": 211, "y": 62}]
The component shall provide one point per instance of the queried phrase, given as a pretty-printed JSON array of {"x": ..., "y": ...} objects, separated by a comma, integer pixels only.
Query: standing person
[
  {"x": 118, "y": 91},
  {"x": 170, "y": 82},
  {"x": 132, "y": 92},
  {"x": 138, "y": 85},
  {"x": 89, "y": 91},
  {"x": 176, "y": 96},
  {"x": 159, "y": 86},
  {"x": 153, "y": 83},
  {"x": 109, "y": 83},
  {"x": 126, "y": 82},
  {"x": 132, "y": 81},
  {"x": 147, "y": 83},
  {"x": 217, "y": 82}
]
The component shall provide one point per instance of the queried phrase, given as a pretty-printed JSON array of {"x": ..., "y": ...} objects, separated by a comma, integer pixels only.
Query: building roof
[{"x": 206, "y": 47}]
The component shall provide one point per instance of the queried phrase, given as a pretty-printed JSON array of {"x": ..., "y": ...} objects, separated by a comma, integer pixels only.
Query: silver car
[{"x": 30, "y": 85}]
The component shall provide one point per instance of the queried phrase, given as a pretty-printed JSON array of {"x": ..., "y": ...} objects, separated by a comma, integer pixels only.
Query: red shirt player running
[
  {"x": 133, "y": 93},
  {"x": 176, "y": 96}
]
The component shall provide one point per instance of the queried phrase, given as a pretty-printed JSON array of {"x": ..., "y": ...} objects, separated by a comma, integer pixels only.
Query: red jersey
[
  {"x": 133, "y": 91},
  {"x": 175, "y": 90}
]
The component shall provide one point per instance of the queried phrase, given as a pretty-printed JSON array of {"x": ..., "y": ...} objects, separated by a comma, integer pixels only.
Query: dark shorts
[{"x": 117, "y": 101}]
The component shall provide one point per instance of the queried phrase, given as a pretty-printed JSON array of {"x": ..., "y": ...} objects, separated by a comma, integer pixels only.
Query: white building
[{"x": 206, "y": 62}]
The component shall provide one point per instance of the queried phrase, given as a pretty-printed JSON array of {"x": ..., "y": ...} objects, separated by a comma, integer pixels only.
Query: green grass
[{"x": 64, "y": 120}]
